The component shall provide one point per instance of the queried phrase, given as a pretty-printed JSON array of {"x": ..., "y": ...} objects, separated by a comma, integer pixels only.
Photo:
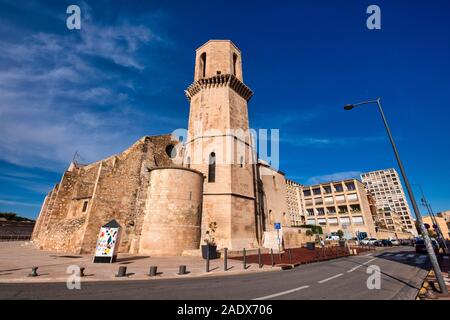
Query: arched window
[
  {"x": 188, "y": 162},
  {"x": 202, "y": 65},
  {"x": 235, "y": 57},
  {"x": 212, "y": 168}
]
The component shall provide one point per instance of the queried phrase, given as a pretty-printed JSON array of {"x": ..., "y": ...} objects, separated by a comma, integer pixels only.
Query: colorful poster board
[{"x": 107, "y": 243}]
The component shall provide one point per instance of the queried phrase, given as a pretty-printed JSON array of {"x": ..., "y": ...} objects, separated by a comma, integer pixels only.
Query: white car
[
  {"x": 395, "y": 242},
  {"x": 368, "y": 241},
  {"x": 332, "y": 238}
]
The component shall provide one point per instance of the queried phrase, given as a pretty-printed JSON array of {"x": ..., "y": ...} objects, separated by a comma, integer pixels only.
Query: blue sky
[{"x": 122, "y": 76}]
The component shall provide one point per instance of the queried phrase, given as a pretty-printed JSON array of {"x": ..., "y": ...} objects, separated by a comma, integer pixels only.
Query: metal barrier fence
[{"x": 15, "y": 238}]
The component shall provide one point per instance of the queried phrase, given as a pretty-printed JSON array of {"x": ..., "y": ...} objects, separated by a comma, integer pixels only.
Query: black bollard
[
  {"x": 122, "y": 272},
  {"x": 82, "y": 272},
  {"x": 225, "y": 259},
  {"x": 259, "y": 258},
  {"x": 33, "y": 272},
  {"x": 245, "y": 259},
  {"x": 207, "y": 260},
  {"x": 153, "y": 271},
  {"x": 271, "y": 257},
  {"x": 182, "y": 270}
]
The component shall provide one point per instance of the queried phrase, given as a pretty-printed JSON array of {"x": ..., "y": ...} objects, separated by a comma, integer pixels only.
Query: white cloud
[
  {"x": 337, "y": 176},
  {"x": 19, "y": 204},
  {"x": 55, "y": 101},
  {"x": 301, "y": 141}
]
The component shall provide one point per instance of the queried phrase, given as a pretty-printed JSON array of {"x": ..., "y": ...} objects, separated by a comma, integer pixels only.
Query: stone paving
[{"x": 17, "y": 259}]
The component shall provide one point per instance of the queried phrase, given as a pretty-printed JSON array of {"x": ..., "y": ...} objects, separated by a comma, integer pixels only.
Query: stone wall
[
  {"x": 173, "y": 213},
  {"x": 114, "y": 188}
]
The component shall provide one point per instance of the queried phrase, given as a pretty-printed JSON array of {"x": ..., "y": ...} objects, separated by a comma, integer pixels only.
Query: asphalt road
[{"x": 401, "y": 269}]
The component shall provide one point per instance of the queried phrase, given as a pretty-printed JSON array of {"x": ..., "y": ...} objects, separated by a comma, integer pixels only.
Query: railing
[{"x": 15, "y": 238}]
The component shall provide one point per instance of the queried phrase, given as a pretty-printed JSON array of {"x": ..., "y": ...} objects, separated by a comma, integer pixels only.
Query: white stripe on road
[
  {"x": 410, "y": 255},
  {"x": 399, "y": 255},
  {"x": 387, "y": 254},
  {"x": 281, "y": 293},
  {"x": 363, "y": 264},
  {"x": 330, "y": 278}
]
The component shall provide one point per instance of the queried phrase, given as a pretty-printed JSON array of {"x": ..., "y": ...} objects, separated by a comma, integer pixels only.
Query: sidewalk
[
  {"x": 17, "y": 259},
  {"x": 430, "y": 282}
]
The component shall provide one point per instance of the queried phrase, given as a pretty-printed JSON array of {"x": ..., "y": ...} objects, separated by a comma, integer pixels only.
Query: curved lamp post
[{"x": 423, "y": 230}]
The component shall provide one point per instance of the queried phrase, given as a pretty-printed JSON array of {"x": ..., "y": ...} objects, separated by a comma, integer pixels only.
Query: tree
[{"x": 340, "y": 233}]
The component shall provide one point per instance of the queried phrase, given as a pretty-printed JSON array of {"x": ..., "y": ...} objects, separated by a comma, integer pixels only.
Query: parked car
[
  {"x": 386, "y": 243},
  {"x": 395, "y": 242},
  {"x": 421, "y": 248},
  {"x": 406, "y": 242},
  {"x": 368, "y": 241},
  {"x": 332, "y": 238},
  {"x": 377, "y": 243}
]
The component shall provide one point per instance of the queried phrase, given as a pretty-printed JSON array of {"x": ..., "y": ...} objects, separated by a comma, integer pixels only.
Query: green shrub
[{"x": 314, "y": 229}]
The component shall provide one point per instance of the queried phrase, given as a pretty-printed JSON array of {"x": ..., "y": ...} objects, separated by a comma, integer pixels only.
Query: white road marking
[
  {"x": 399, "y": 255},
  {"x": 423, "y": 256},
  {"x": 387, "y": 254},
  {"x": 410, "y": 255},
  {"x": 330, "y": 278},
  {"x": 281, "y": 293},
  {"x": 363, "y": 264},
  {"x": 368, "y": 255}
]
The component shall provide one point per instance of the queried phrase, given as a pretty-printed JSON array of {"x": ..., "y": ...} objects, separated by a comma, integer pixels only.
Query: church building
[{"x": 166, "y": 192}]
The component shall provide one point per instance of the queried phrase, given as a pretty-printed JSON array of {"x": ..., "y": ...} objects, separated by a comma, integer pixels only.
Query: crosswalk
[{"x": 418, "y": 258}]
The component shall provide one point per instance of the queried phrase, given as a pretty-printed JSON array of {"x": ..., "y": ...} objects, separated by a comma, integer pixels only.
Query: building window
[
  {"x": 202, "y": 65},
  {"x": 85, "y": 204},
  {"x": 338, "y": 188},
  {"x": 350, "y": 186},
  {"x": 343, "y": 209},
  {"x": 188, "y": 162},
  {"x": 235, "y": 58},
  {"x": 327, "y": 189},
  {"x": 358, "y": 220},
  {"x": 331, "y": 210},
  {"x": 212, "y": 168},
  {"x": 316, "y": 191},
  {"x": 320, "y": 212},
  {"x": 307, "y": 193},
  {"x": 242, "y": 162},
  {"x": 352, "y": 197},
  {"x": 355, "y": 208},
  {"x": 171, "y": 151}
]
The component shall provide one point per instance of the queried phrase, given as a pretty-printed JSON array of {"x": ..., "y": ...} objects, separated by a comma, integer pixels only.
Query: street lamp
[{"x": 423, "y": 230}]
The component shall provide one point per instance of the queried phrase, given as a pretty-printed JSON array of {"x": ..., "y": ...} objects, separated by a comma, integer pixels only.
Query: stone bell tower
[{"x": 220, "y": 146}]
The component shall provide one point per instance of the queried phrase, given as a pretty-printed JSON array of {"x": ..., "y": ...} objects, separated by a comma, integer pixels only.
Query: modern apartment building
[
  {"x": 340, "y": 205},
  {"x": 294, "y": 195},
  {"x": 386, "y": 188}
]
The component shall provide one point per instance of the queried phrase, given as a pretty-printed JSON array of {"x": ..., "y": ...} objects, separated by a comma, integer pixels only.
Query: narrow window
[
  {"x": 235, "y": 57},
  {"x": 188, "y": 162},
  {"x": 203, "y": 64},
  {"x": 85, "y": 204},
  {"x": 242, "y": 162},
  {"x": 212, "y": 167}
]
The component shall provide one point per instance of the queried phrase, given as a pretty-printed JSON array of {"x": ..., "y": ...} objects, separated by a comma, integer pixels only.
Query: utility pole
[{"x": 423, "y": 230}]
